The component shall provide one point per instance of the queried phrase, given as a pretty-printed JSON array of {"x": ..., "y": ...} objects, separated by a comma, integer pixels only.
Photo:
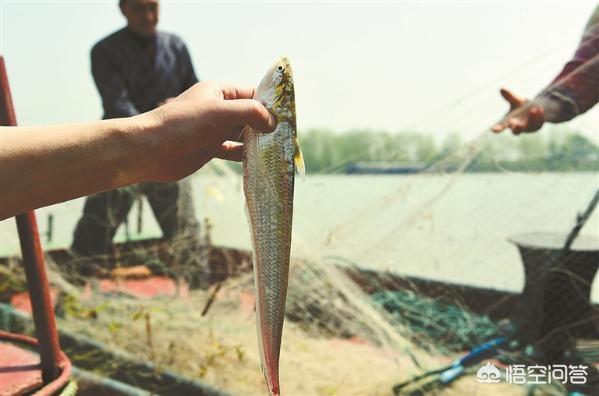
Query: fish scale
[{"x": 268, "y": 178}]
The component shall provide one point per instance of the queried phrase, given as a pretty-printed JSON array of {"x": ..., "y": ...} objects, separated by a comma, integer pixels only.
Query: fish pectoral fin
[{"x": 300, "y": 166}]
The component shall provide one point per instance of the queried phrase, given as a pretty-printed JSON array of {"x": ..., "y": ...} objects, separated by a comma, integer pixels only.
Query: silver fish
[{"x": 269, "y": 166}]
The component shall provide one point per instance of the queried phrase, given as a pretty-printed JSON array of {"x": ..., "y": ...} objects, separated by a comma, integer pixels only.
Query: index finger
[
  {"x": 237, "y": 92},
  {"x": 250, "y": 112},
  {"x": 499, "y": 126}
]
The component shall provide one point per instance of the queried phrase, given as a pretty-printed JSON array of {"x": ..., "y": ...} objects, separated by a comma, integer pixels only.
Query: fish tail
[
  {"x": 271, "y": 375},
  {"x": 274, "y": 386}
]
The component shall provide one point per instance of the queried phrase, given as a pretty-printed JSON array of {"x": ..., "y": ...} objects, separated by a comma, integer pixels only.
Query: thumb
[
  {"x": 514, "y": 100},
  {"x": 239, "y": 112}
]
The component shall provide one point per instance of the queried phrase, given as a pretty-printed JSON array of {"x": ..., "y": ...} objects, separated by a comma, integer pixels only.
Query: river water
[{"x": 446, "y": 227}]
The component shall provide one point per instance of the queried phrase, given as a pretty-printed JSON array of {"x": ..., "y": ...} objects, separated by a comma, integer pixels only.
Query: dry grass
[{"x": 221, "y": 347}]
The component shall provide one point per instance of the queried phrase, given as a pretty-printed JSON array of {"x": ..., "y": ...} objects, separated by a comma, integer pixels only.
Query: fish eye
[{"x": 280, "y": 68}]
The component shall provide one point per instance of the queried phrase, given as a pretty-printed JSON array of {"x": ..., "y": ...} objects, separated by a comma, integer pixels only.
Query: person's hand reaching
[{"x": 524, "y": 115}]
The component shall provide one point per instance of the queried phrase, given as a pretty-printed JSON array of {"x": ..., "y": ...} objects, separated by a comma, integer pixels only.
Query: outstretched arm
[
  {"x": 42, "y": 165},
  {"x": 574, "y": 91}
]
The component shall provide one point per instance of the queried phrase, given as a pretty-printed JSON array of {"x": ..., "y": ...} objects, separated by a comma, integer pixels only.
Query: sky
[{"x": 429, "y": 66}]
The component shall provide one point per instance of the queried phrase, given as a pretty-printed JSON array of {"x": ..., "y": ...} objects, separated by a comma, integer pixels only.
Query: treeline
[{"x": 552, "y": 150}]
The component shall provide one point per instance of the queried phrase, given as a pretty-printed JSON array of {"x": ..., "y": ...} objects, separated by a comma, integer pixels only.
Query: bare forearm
[
  {"x": 42, "y": 165},
  {"x": 49, "y": 164}
]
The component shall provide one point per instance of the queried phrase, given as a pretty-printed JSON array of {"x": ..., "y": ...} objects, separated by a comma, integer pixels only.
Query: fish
[{"x": 270, "y": 163}]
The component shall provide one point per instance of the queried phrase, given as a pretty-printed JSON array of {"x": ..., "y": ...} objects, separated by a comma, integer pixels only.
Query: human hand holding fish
[
  {"x": 203, "y": 123},
  {"x": 167, "y": 143}
]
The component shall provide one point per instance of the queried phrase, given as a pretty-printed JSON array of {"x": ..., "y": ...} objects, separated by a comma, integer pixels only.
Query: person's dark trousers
[{"x": 103, "y": 213}]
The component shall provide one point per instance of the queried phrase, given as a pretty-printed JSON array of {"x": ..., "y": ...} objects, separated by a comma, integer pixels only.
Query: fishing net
[{"x": 408, "y": 251}]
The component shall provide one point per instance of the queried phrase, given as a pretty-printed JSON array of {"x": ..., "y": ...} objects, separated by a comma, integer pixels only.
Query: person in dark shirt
[{"x": 137, "y": 69}]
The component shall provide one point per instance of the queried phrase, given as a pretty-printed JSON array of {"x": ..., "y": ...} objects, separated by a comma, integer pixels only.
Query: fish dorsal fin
[{"x": 300, "y": 166}]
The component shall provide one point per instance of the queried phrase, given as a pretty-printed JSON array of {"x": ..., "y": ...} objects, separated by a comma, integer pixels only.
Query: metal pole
[
  {"x": 140, "y": 207},
  {"x": 581, "y": 220},
  {"x": 33, "y": 260},
  {"x": 50, "y": 226}
]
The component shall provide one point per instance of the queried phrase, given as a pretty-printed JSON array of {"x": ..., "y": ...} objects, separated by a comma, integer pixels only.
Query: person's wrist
[
  {"x": 551, "y": 107},
  {"x": 142, "y": 130}
]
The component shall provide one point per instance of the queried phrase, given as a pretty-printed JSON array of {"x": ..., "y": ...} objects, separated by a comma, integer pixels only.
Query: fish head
[{"x": 277, "y": 93}]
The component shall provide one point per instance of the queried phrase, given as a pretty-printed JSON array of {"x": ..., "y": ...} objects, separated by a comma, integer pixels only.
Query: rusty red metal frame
[
  {"x": 33, "y": 261},
  {"x": 64, "y": 364}
]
